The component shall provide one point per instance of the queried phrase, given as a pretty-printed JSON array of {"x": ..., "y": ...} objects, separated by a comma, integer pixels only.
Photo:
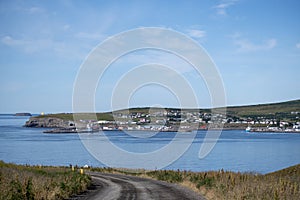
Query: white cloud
[
  {"x": 66, "y": 27},
  {"x": 30, "y": 10},
  {"x": 159, "y": 57},
  {"x": 90, "y": 36},
  {"x": 10, "y": 41},
  {"x": 34, "y": 9},
  {"x": 30, "y": 46},
  {"x": 244, "y": 45},
  {"x": 195, "y": 33},
  {"x": 298, "y": 45},
  {"x": 222, "y": 7}
]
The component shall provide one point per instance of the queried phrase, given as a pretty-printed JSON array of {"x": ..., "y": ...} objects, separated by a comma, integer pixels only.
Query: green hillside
[
  {"x": 265, "y": 109},
  {"x": 283, "y": 110}
]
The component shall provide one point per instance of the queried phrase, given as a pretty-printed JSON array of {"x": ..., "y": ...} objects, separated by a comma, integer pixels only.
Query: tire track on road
[{"x": 120, "y": 187}]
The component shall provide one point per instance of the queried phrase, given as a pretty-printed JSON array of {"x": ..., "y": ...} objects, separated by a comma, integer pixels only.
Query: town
[
  {"x": 274, "y": 117},
  {"x": 190, "y": 120}
]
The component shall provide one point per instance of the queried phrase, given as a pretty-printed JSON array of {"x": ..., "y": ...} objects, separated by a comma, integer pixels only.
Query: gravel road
[{"x": 116, "y": 186}]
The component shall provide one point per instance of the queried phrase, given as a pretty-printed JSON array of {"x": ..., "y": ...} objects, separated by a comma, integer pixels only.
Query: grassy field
[
  {"x": 34, "y": 182},
  {"x": 265, "y": 109},
  {"x": 283, "y": 184},
  {"x": 69, "y": 116}
]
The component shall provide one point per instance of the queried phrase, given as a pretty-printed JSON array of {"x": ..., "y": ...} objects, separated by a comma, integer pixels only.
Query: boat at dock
[{"x": 248, "y": 129}]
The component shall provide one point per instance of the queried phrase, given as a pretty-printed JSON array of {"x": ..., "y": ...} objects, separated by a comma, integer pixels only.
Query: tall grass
[
  {"x": 34, "y": 182},
  {"x": 37, "y": 182},
  {"x": 283, "y": 184}
]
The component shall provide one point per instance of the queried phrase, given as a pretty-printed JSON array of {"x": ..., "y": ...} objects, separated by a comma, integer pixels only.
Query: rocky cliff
[{"x": 48, "y": 122}]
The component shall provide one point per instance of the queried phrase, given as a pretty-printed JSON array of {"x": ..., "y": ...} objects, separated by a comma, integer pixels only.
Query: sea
[{"x": 235, "y": 150}]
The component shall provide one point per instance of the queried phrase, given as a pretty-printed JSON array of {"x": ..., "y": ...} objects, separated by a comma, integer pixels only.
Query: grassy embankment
[
  {"x": 35, "y": 182},
  {"x": 283, "y": 184}
]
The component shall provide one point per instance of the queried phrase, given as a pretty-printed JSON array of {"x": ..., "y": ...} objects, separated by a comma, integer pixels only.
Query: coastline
[
  {"x": 254, "y": 130},
  {"x": 59, "y": 126},
  {"x": 277, "y": 117}
]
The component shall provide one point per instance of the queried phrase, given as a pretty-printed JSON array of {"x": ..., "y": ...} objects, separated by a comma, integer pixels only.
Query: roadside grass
[
  {"x": 40, "y": 182},
  {"x": 282, "y": 184}
]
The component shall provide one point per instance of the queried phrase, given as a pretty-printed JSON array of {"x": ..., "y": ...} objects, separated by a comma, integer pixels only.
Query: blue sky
[{"x": 255, "y": 45}]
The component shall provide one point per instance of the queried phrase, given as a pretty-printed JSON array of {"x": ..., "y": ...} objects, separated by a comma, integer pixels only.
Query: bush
[
  {"x": 167, "y": 175},
  {"x": 36, "y": 182}
]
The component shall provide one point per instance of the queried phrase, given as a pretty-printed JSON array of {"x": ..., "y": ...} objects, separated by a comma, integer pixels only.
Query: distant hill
[
  {"x": 265, "y": 109},
  {"x": 289, "y": 111},
  {"x": 282, "y": 110}
]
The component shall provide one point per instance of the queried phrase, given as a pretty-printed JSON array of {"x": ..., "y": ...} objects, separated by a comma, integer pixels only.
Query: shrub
[{"x": 36, "y": 182}]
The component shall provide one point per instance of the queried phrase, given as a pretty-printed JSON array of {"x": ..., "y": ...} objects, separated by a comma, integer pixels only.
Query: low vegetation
[
  {"x": 276, "y": 110},
  {"x": 69, "y": 116},
  {"x": 283, "y": 184},
  {"x": 39, "y": 182}
]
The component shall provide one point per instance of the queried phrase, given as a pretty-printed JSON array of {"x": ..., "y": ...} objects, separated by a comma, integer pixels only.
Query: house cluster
[{"x": 173, "y": 120}]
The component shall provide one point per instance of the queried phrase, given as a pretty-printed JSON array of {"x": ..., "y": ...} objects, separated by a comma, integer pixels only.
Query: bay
[{"x": 235, "y": 150}]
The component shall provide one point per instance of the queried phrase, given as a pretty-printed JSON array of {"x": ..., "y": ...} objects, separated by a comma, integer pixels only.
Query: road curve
[{"x": 116, "y": 186}]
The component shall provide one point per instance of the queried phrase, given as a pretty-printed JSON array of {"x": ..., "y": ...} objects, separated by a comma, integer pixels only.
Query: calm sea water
[{"x": 235, "y": 150}]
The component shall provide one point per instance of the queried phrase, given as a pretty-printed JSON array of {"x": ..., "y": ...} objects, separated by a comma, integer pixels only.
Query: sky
[{"x": 254, "y": 44}]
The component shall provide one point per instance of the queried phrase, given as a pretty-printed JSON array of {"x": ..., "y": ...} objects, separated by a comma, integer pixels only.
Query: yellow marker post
[
  {"x": 73, "y": 168},
  {"x": 81, "y": 171}
]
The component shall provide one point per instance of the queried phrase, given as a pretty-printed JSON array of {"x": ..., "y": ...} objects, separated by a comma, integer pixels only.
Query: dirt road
[{"x": 115, "y": 186}]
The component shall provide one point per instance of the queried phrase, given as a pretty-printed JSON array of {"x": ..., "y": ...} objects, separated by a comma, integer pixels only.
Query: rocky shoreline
[{"x": 48, "y": 122}]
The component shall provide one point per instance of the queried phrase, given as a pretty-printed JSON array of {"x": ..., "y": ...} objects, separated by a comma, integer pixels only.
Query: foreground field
[
  {"x": 34, "y": 182},
  {"x": 283, "y": 184}
]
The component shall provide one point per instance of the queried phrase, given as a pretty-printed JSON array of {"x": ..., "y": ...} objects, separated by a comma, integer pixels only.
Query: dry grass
[
  {"x": 283, "y": 184},
  {"x": 37, "y": 182},
  {"x": 34, "y": 182}
]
